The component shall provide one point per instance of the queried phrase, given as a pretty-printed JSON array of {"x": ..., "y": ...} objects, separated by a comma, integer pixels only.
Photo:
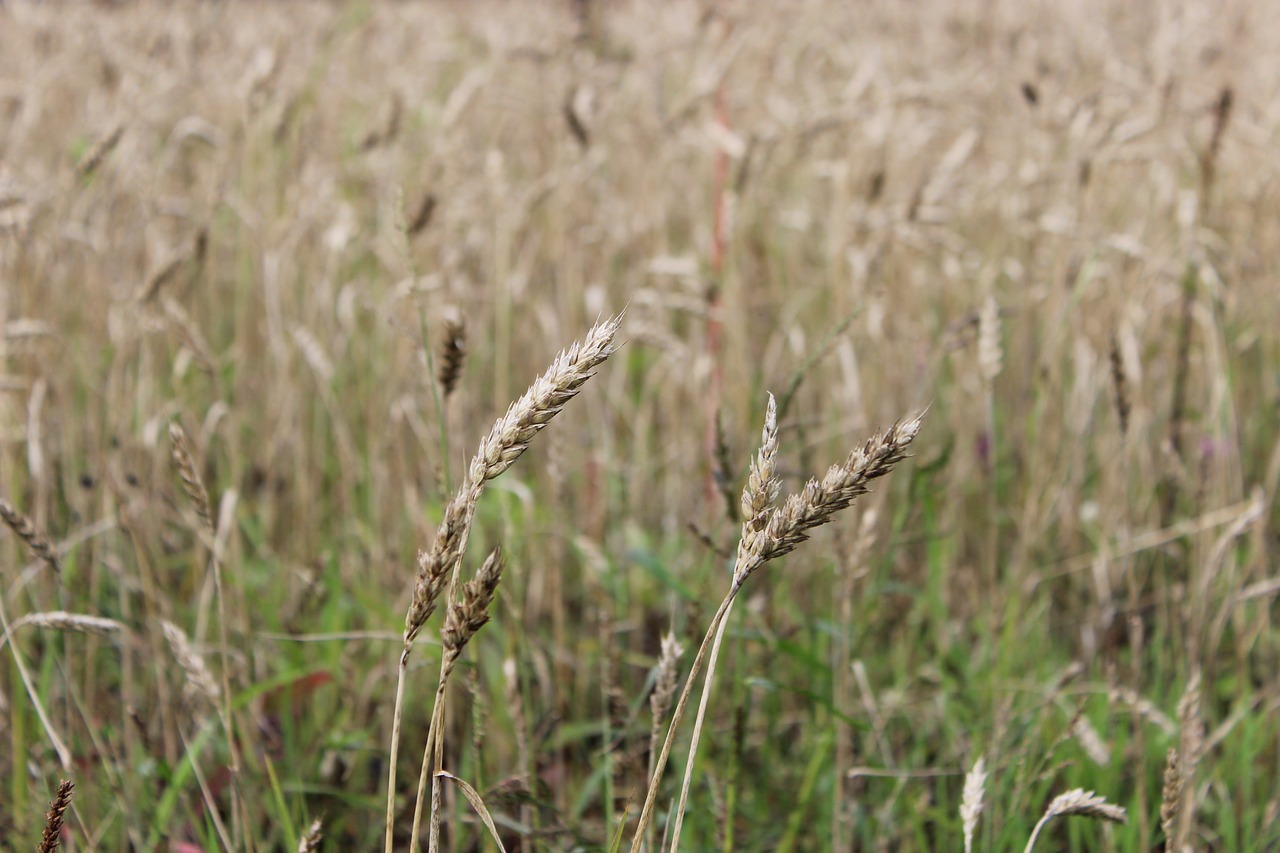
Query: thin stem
[
  {"x": 697, "y": 724},
  {"x": 646, "y": 814},
  {"x": 401, "y": 677}
]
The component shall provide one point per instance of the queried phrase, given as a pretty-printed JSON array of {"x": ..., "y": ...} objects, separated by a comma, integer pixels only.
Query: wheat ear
[
  {"x": 49, "y": 839},
  {"x": 466, "y": 617},
  {"x": 1077, "y": 802},
  {"x": 769, "y": 533},
  {"x": 25, "y": 529},
  {"x": 975, "y": 782},
  {"x": 311, "y": 838},
  {"x": 498, "y": 451}
]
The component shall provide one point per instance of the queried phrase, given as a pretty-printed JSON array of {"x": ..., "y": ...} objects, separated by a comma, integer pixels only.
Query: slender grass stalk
[{"x": 193, "y": 484}]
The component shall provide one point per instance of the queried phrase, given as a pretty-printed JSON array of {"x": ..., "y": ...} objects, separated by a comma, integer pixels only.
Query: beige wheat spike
[
  {"x": 975, "y": 782},
  {"x": 310, "y": 840},
  {"x": 184, "y": 464},
  {"x": 104, "y": 146},
  {"x": 664, "y": 690},
  {"x": 509, "y": 437},
  {"x": 1081, "y": 803},
  {"x": 1191, "y": 745},
  {"x": 25, "y": 529},
  {"x": 199, "y": 680},
  {"x": 471, "y": 613},
  {"x": 61, "y": 620},
  {"x": 789, "y": 525},
  {"x": 763, "y": 484}
]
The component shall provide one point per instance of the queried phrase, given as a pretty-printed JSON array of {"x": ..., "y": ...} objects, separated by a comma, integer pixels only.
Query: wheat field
[{"x": 274, "y": 280}]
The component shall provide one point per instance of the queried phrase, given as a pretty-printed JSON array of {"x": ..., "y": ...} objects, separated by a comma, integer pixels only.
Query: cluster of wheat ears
[{"x": 771, "y": 528}]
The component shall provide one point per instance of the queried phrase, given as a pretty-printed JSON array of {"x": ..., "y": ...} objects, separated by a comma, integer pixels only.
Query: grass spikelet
[
  {"x": 77, "y": 623},
  {"x": 99, "y": 152},
  {"x": 1078, "y": 803},
  {"x": 422, "y": 215},
  {"x": 200, "y": 681},
  {"x": 664, "y": 690},
  {"x": 1191, "y": 744},
  {"x": 25, "y": 529},
  {"x": 184, "y": 465},
  {"x": 498, "y": 451},
  {"x": 49, "y": 839},
  {"x": 471, "y": 613},
  {"x": 465, "y": 618},
  {"x": 789, "y": 525},
  {"x": 453, "y": 353},
  {"x": 975, "y": 782},
  {"x": 311, "y": 838}
]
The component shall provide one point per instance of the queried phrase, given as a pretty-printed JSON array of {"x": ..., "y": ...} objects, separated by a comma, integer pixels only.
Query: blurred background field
[{"x": 1054, "y": 226}]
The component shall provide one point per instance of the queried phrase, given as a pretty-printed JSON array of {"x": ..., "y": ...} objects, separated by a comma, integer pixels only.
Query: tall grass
[{"x": 1055, "y": 230}]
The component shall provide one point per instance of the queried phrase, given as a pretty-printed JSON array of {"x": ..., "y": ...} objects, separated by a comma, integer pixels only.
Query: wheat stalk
[
  {"x": 498, "y": 451},
  {"x": 465, "y": 618},
  {"x": 184, "y": 464},
  {"x": 770, "y": 532}
]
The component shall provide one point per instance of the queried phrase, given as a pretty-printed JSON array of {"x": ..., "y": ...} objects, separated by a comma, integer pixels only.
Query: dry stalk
[
  {"x": 1080, "y": 803},
  {"x": 498, "y": 451},
  {"x": 25, "y": 529},
  {"x": 188, "y": 472},
  {"x": 49, "y": 839}
]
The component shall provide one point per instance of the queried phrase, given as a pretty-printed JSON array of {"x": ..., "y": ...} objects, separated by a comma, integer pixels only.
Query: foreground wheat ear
[
  {"x": 498, "y": 451},
  {"x": 768, "y": 532}
]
